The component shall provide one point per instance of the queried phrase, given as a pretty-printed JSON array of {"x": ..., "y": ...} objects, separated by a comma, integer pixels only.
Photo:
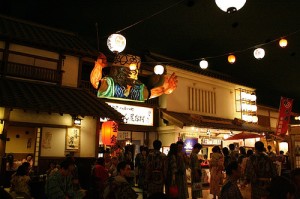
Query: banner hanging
[{"x": 285, "y": 110}]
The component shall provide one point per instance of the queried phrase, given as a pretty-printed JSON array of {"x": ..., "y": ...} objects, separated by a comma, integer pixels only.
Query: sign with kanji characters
[
  {"x": 134, "y": 114},
  {"x": 285, "y": 110}
]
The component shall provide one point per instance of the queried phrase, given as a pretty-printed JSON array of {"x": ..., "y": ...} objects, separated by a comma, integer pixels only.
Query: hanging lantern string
[
  {"x": 157, "y": 13},
  {"x": 233, "y": 52}
]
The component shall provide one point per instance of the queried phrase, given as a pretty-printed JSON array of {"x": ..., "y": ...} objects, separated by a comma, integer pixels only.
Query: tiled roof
[
  {"x": 53, "y": 99},
  {"x": 40, "y": 36},
  {"x": 185, "y": 119}
]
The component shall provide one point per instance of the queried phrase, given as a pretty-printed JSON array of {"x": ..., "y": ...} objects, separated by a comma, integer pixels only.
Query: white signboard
[{"x": 134, "y": 114}]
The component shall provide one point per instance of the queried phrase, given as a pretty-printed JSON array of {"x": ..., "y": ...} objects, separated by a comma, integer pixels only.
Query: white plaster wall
[
  {"x": 33, "y": 51},
  {"x": 30, "y": 60},
  {"x": 138, "y": 136},
  {"x": 152, "y": 137},
  {"x": 88, "y": 137},
  {"x": 44, "y": 118},
  {"x": 225, "y": 94},
  {"x": 70, "y": 68},
  {"x": 57, "y": 142},
  {"x": 168, "y": 138},
  {"x": 19, "y": 145}
]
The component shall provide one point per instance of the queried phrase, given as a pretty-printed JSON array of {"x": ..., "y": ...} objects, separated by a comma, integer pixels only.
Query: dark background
[{"x": 189, "y": 31}]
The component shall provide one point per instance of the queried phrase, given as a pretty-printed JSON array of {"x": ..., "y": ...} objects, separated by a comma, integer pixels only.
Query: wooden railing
[
  {"x": 31, "y": 72},
  {"x": 88, "y": 86}
]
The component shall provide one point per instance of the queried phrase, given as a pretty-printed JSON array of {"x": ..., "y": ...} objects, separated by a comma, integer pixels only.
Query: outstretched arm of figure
[
  {"x": 96, "y": 74},
  {"x": 168, "y": 86}
]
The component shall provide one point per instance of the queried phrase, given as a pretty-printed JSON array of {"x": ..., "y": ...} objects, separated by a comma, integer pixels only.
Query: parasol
[{"x": 244, "y": 135}]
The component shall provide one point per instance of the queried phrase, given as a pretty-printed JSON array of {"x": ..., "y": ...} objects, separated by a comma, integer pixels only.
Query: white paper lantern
[
  {"x": 203, "y": 64},
  {"x": 159, "y": 69},
  {"x": 116, "y": 43},
  {"x": 259, "y": 53},
  {"x": 253, "y": 97},
  {"x": 230, "y": 6}
]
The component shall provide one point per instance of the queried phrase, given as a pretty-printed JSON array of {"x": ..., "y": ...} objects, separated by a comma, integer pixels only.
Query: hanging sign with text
[
  {"x": 285, "y": 110},
  {"x": 134, "y": 114}
]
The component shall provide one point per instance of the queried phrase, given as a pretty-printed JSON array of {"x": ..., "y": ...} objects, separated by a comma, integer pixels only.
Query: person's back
[
  {"x": 20, "y": 180},
  {"x": 259, "y": 171},
  {"x": 155, "y": 170}
]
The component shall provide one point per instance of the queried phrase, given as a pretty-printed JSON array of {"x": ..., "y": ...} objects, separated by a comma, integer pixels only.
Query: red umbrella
[{"x": 244, "y": 135}]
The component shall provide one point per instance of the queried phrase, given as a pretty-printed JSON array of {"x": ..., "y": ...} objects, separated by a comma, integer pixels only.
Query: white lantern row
[
  {"x": 250, "y": 118},
  {"x": 249, "y": 107},
  {"x": 248, "y": 96}
]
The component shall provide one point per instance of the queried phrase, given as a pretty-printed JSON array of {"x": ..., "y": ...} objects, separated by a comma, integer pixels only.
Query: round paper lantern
[
  {"x": 230, "y": 6},
  {"x": 203, "y": 64},
  {"x": 116, "y": 43},
  {"x": 283, "y": 43},
  {"x": 231, "y": 59},
  {"x": 109, "y": 132},
  {"x": 259, "y": 53},
  {"x": 159, "y": 69}
]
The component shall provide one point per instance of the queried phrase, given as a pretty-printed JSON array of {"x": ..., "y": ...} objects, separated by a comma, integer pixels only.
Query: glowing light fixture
[
  {"x": 259, "y": 53},
  {"x": 208, "y": 132},
  {"x": 230, "y": 6},
  {"x": 159, "y": 69},
  {"x": 116, "y": 43},
  {"x": 283, "y": 43},
  {"x": 132, "y": 66},
  {"x": 231, "y": 59},
  {"x": 77, "y": 121},
  {"x": 203, "y": 64}
]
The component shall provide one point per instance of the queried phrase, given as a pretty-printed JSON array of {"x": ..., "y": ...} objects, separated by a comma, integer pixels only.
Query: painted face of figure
[{"x": 134, "y": 74}]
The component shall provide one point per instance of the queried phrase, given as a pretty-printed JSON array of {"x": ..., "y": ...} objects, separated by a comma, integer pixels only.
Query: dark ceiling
[{"x": 189, "y": 30}]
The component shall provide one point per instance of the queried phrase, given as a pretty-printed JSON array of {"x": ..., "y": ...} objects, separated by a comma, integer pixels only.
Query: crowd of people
[{"x": 164, "y": 176}]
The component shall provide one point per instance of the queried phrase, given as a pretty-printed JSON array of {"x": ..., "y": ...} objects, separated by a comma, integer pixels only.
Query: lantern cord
[
  {"x": 97, "y": 32},
  {"x": 233, "y": 52},
  {"x": 157, "y": 13}
]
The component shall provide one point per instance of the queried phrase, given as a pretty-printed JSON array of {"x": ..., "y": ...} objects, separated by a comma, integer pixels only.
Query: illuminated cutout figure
[{"x": 122, "y": 81}]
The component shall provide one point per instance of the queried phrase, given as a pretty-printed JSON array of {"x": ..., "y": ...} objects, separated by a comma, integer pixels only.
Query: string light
[
  {"x": 203, "y": 64},
  {"x": 283, "y": 43},
  {"x": 231, "y": 59},
  {"x": 159, "y": 69},
  {"x": 258, "y": 53}
]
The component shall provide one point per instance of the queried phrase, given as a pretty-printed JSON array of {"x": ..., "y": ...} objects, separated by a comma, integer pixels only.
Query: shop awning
[
  {"x": 43, "y": 97},
  {"x": 185, "y": 119}
]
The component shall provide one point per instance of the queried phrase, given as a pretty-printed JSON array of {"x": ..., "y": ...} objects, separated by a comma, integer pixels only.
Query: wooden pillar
[{"x": 3, "y": 136}]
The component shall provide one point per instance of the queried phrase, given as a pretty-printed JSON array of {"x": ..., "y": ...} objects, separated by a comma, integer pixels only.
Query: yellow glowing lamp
[
  {"x": 231, "y": 59},
  {"x": 109, "y": 132},
  {"x": 132, "y": 66},
  {"x": 283, "y": 43}
]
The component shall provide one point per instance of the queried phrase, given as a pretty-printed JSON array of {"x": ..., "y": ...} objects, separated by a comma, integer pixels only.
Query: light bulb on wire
[
  {"x": 259, "y": 53},
  {"x": 283, "y": 43},
  {"x": 159, "y": 69},
  {"x": 203, "y": 64},
  {"x": 231, "y": 59}
]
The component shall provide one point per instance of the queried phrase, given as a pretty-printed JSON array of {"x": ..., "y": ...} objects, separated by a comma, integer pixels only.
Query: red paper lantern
[{"x": 109, "y": 132}]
